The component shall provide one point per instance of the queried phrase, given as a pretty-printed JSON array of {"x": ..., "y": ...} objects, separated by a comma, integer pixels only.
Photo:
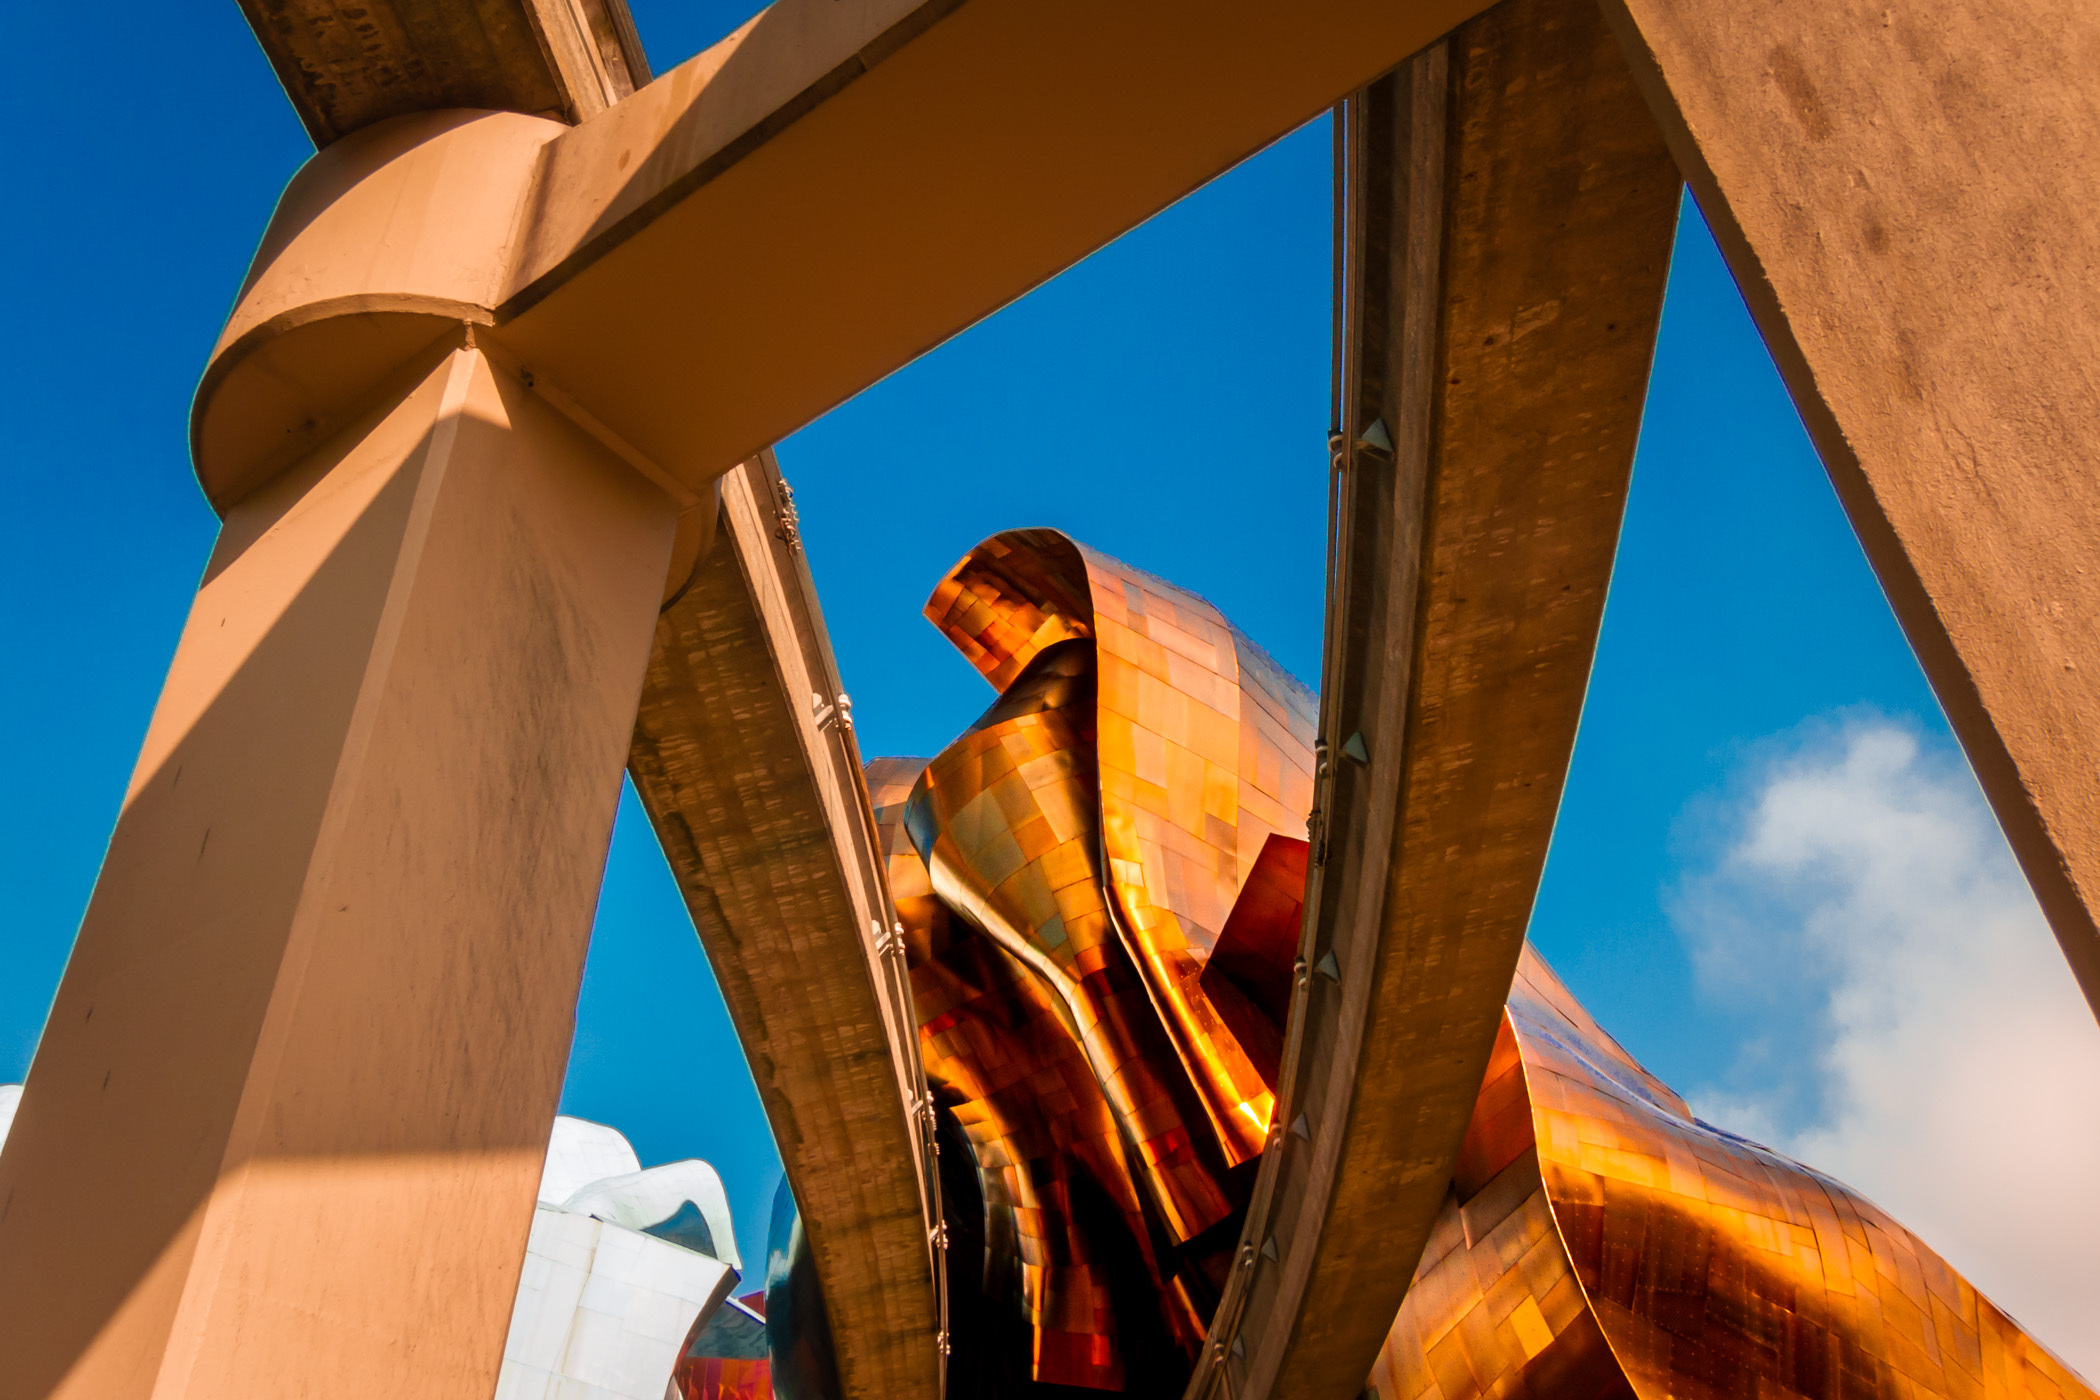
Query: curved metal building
[{"x": 1601, "y": 1241}]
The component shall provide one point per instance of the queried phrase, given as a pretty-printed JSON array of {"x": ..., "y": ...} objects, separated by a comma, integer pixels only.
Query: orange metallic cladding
[
  {"x": 1603, "y": 1242},
  {"x": 721, "y": 1378},
  {"x": 1204, "y": 749},
  {"x": 1249, "y": 973},
  {"x": 1001, "y": 1054},
  {"x": 1063, "y": 870},
  {"x": 1014, "y": 849}
]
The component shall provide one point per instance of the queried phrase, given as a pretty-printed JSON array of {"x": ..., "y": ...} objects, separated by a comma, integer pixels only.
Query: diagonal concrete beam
[
  {"x": 1509, "y": 218},
  {"x": 1910, "y": 200},
  {"x": 839, "y": 188},
  {"x": 748, "y": 767},
  {"x": 775, "y": 225}
]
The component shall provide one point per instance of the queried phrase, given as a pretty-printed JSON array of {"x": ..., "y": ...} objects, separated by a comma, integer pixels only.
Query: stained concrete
[
  {"x": 758, "y": 801},
  {"x": 346, "y": 66},
  {"x": 1512, "y": 210}
]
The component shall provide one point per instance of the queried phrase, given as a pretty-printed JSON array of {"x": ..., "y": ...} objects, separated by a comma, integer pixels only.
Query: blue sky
[{"x": 1166, "y": 401}]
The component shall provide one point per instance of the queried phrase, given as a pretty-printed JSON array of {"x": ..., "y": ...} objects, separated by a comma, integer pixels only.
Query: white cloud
[{"x": 1953, "y": 1070}]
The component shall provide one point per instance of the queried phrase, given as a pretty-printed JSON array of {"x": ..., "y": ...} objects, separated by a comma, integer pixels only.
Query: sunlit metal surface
[
  {"x": 1100, "y": 886},
  {"x": 1599, "y": 1241},
  {"x": 1204, "y": 746},
  {"x": 701, "y": 1376},
  {"x": 1092, "y": 831}
]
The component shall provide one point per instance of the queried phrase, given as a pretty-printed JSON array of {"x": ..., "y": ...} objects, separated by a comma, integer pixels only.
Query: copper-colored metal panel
[
  {"x": 1063, "y": 871},
  {"x": 1204, "y": 750},
  {"x": 1249, "y": 972},
  {"x": 1048, "y": 1070},
  {"x": 1602, "y": 1241}
]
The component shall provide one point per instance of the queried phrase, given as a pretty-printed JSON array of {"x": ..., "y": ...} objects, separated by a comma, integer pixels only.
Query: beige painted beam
[
  {"x": 765, "y": 232},
  {"x": 284, "y": 1128},
  {"x": 1509, "y": 218},
  {"x": 745, "y": 759},
  {"x": 1909, "y": 197},
  {"x": 775, "y": 225}
]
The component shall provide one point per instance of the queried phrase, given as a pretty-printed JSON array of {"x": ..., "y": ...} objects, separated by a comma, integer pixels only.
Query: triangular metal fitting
[
  {"x": 1238, "y": 1349},
  {"x": 1302, "y": 1128},
  {"x": 1327, "y": 966},
  {"x": 1376, "y": 437},
  {"x": 1354, "y": 750}
]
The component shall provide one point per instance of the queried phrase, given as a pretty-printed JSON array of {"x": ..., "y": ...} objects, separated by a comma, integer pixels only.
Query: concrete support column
[
  {"x": 1909, "y": 197},
  {"x": 282, "y": 1134}
]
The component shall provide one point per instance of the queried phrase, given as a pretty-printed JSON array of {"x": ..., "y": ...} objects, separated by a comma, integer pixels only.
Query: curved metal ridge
[
  {"x": 1507, "y": 223},
  {"x": 1064, "y": 869},
  {"x": 1600, "y": 1241}
]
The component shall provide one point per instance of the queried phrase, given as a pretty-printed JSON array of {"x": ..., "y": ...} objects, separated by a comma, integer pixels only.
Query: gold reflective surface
[
  {"x": 1598, "y": 1241},
  {"x": 1204, "y": 749},
  {"x": 1100, "y": 884},
  {"x": 1063, "y": 871}
]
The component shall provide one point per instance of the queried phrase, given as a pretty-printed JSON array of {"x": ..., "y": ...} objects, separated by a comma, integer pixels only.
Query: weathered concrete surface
[
  {"x": 346, "y": 66},
  {"x": 1909, "y": 197},
  {"x": 285, "y": 1124},
  {"x": 1510, "y": 217},
  {"x": 754, "y": 788}
]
